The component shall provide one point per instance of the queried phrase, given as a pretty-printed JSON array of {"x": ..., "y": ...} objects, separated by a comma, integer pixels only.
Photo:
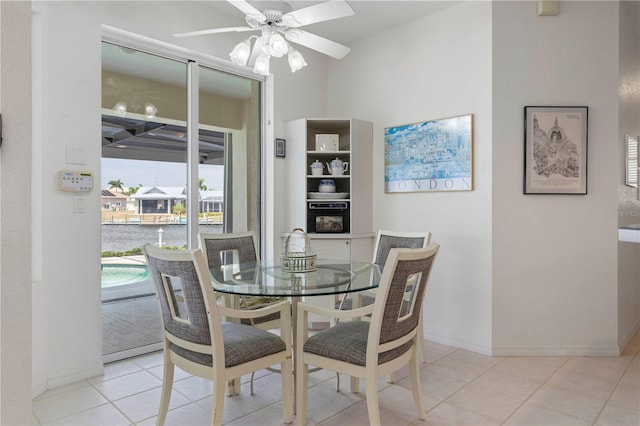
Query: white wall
[
  {"x": 555, "y": 256},
  {"x": 15, "y": 208},
  {"x": 435, "y": 67},
  {"x": 628, "y": 203}
]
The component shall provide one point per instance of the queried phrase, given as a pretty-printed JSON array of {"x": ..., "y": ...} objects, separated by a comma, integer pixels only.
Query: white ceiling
[{"x": 371, "y": 16}]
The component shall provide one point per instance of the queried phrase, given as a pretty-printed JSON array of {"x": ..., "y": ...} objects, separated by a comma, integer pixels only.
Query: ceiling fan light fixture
[
  {"x": 278, "y": 46},
  {"x": 150, "y": 110},
  {"x": 262, "y": 65},
  {"x": 296, "y": 61},
  {"x": 120, "y": 108},
  {"x": 240, "y": 54}
]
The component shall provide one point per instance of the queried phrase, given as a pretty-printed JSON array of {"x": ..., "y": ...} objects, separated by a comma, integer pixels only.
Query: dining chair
[
  {"x": 200, "y": 343},
  {"x": 375, "y": 348},
  {"x": 234, "y": 248},
  {"x": 385, "y": 241}
]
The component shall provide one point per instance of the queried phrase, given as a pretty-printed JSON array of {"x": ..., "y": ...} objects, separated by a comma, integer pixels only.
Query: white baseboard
[
  {"x": 608, "y": 350},
  {"x": 469, "y": 346},
  {"x": 76, "y": 376}
]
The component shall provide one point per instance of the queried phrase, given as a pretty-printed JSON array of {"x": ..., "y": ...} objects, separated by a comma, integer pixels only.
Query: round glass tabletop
[{"x": 268, "y": 279}]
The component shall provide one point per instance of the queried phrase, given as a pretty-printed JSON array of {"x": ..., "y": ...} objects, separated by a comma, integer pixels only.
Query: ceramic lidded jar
[
  {"x": 327, "y": 185},
  {"x": 317, "y": 168}
]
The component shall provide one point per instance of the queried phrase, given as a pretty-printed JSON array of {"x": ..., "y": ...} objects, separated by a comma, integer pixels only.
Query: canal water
[{"x": 123, "y": 237}]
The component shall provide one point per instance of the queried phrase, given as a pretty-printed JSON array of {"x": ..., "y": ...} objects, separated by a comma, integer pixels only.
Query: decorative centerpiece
[{"x": 297, "y": 255}]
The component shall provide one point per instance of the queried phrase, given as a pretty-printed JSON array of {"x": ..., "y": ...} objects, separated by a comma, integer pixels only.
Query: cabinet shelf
[{"x": 328, "y": 153}]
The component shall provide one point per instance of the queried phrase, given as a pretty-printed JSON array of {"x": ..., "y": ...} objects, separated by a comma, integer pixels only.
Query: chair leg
[
  {"x": 355, "y": 384},
  {"x": 286, "y": 371},
  {"x": 373, "y": 408},
  {"x": 233, "y": 386},
  {"x": 415, "y": 384},
  {"x": 421, "y": 341},
  {"x": 167, "y": 385},
  {"x": 302, "y": 381},
  {"x": 218, "y": 401}
]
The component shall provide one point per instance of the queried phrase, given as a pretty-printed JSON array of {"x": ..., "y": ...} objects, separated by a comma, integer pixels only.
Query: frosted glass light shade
[
  {"x": 278, "y": 46},
  {"x": 296, "y": 61},
  {"x": 240, "y": 54},
  {"x": 262, "y": 65}
]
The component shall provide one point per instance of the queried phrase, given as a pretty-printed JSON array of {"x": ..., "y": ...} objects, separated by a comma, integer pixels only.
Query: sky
[{"x": 157, "y": 173}]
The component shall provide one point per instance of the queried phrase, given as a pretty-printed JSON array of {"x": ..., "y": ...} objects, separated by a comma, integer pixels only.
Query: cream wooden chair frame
[
  {"x": 218, "y": 372},
  {"x": 371, "y": 370},
  {"x": 357, "y": 297},
  {"x": 234, "y": 302}
]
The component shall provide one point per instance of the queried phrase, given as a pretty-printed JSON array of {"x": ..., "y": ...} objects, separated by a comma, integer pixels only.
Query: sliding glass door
[{"x": 154, "y": 190}]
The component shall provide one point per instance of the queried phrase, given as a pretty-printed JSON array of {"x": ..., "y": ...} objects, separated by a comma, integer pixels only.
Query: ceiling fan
[{"x": 278, "y": 24}]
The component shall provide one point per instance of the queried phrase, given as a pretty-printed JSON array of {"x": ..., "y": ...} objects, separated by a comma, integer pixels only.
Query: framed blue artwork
[{"x": 429, "y": 156}]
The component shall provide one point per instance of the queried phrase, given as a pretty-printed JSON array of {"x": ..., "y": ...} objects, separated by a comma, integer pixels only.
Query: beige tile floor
[{"x": 459, "y": 388}]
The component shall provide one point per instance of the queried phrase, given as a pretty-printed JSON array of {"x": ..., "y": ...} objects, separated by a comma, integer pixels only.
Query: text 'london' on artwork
[
  {"x": 429, "y": 156},
  {"x": 555, "y": 154}
]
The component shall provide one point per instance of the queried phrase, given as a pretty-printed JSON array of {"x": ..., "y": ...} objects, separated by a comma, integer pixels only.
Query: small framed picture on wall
[
  {"x": 281, "y": 148},
  {"x": 555, "y": 151}
]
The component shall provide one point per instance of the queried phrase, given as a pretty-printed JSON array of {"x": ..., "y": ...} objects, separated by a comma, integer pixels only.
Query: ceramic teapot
[
  {"x": 317, "y": 168},
  {"x": 337, "y": 167}
]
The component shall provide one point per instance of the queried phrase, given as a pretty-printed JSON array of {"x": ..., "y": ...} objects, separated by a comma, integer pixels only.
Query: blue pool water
[{"x": 121, "y": 274}]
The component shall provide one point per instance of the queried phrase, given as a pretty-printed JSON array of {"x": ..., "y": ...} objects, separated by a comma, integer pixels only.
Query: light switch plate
[{"x": 78, "y": 204}]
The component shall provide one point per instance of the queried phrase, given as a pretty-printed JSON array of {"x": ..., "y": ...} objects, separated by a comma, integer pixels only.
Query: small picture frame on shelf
[
  {"x": 327, "y": 142},
  {"x": 281, "y": 147}
]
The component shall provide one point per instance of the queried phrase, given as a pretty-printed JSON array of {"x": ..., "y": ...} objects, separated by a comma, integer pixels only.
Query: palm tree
[
  {"x": 117, "y": 184},
  {"x": 134, "y": 189},
  {"x": 203, "y": 187}
]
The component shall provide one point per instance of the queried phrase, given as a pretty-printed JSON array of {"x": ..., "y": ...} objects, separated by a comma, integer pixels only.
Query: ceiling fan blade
[
  {"x": 315, "y": 42},
  {"x": 332, "y": 9},
  {"x": 214, "y": 31},
  {"x": 248, "y": 9}
]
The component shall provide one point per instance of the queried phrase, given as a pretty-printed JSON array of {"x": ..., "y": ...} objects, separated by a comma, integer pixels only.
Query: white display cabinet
[{"x": 338, "y": 223}]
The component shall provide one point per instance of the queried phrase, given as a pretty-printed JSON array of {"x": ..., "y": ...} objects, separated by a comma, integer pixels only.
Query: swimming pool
[{"x": 121, "y": 274}]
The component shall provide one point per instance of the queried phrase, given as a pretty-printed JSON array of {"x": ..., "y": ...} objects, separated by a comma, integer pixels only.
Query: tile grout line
[
  {"x": 606, "y": 403},
  {"x": 537, "y": 389}
]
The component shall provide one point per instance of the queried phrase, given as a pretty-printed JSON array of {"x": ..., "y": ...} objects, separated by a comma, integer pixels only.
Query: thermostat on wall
[{"x": 74, "y": 181}]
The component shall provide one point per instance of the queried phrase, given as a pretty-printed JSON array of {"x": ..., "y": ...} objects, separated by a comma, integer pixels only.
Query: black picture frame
[
  {"x": 281, "y": 148},
  {"x": 555, "y": 150}
]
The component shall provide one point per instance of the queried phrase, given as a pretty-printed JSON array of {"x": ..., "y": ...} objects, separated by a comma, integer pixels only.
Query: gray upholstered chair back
[
  {"x": 388, "y": 240},
  {"x": 224, "y": 249},
  {"x": 406, "y": 290},
  {"x": 185, "y": 317}
]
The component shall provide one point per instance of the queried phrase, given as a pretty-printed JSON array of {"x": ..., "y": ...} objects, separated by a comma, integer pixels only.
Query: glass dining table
[{"x": 268, "y": 279}]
